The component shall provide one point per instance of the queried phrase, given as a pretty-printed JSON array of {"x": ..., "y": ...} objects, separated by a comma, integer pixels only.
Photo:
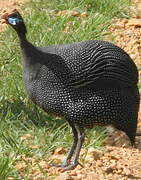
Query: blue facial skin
[{"x": 13, "y": 20}]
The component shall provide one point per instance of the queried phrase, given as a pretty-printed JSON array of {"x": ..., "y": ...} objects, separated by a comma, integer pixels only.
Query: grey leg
[
  {"x": 73, "y": 147},
  {"x": 81, "y": 136},
  {"x": 69, "y": 155}
]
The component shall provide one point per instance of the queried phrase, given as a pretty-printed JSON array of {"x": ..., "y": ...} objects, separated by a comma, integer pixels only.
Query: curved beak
[{"x": 3, "y": 18}]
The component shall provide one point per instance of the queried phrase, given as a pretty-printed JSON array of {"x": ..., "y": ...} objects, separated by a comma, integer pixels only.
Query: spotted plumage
[{"x": 87, "y": 83}]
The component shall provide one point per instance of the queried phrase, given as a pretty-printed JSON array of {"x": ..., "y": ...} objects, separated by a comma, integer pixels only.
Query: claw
[
  {"x": 59, "y": 165},
  {"x": 67, "y": 166},
  {"x": 70, "y": 167}
]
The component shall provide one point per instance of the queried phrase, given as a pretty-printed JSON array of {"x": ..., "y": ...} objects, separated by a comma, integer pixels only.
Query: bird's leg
[
  {"x": 81, "y": 136},
  {"x": 66, "y": 161},
  {"x": 72, "y": 149}
]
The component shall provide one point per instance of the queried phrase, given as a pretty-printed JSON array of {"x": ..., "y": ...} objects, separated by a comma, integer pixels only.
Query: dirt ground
[{"x": 119, "y": 160}]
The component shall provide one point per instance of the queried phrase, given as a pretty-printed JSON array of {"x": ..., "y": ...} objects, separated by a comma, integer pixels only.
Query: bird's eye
[{"x": 13, "y": 20}]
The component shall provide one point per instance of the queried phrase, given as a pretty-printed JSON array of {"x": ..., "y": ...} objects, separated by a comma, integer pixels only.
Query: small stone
[
  {"x": 91, "y": 176},
  {"x": 93, "y": 154},
  {"x": 59, "y": 150},
  {"x": 99, "y": 164},
  {"x": 89, "y": 158},
  {"x": 73, "y": 173},
  {"x": 43, "y": 164},
  {"x": 117, "y": 138},
  {"x": 79, "y": 177},
  {"x": 109, "y": 170},
  {"x": 64, "y": 176}
]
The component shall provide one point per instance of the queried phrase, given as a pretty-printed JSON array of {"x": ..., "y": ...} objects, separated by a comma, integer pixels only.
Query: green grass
[{"x": 18, "y": 115}]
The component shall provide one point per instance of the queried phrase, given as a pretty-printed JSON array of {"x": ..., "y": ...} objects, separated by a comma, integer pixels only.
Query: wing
[
  {"x": 93, "y": 68},
  {"x": 90, "y": 62},
  {"x": 102, "y": 62}
]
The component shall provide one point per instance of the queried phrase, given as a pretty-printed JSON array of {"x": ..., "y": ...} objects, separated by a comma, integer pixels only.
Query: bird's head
[{"x": 15, "y": 20}]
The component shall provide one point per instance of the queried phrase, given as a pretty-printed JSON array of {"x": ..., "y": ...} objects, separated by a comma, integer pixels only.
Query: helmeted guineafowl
[{"x": 88, "y": 83}]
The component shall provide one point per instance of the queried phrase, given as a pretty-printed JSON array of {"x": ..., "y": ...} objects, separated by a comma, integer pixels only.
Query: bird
[{"x": 88, "y": 83}]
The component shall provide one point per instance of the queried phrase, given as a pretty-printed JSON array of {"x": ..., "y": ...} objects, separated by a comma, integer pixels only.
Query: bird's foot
[
  {"x": 63, "y": 165},
  {"x": 71, "y": 166},
  {"x": 67, "y": 166}
]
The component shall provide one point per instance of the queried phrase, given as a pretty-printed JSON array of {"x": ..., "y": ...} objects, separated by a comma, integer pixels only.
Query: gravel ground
[{"x": 118, "y": 160}]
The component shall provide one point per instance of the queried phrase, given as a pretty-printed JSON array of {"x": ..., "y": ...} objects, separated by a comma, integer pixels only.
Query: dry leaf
[
  {"x": 26, "y": 137},
  {"x": 68, "y": 12},
  {"x": 72, "y": 13}
]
